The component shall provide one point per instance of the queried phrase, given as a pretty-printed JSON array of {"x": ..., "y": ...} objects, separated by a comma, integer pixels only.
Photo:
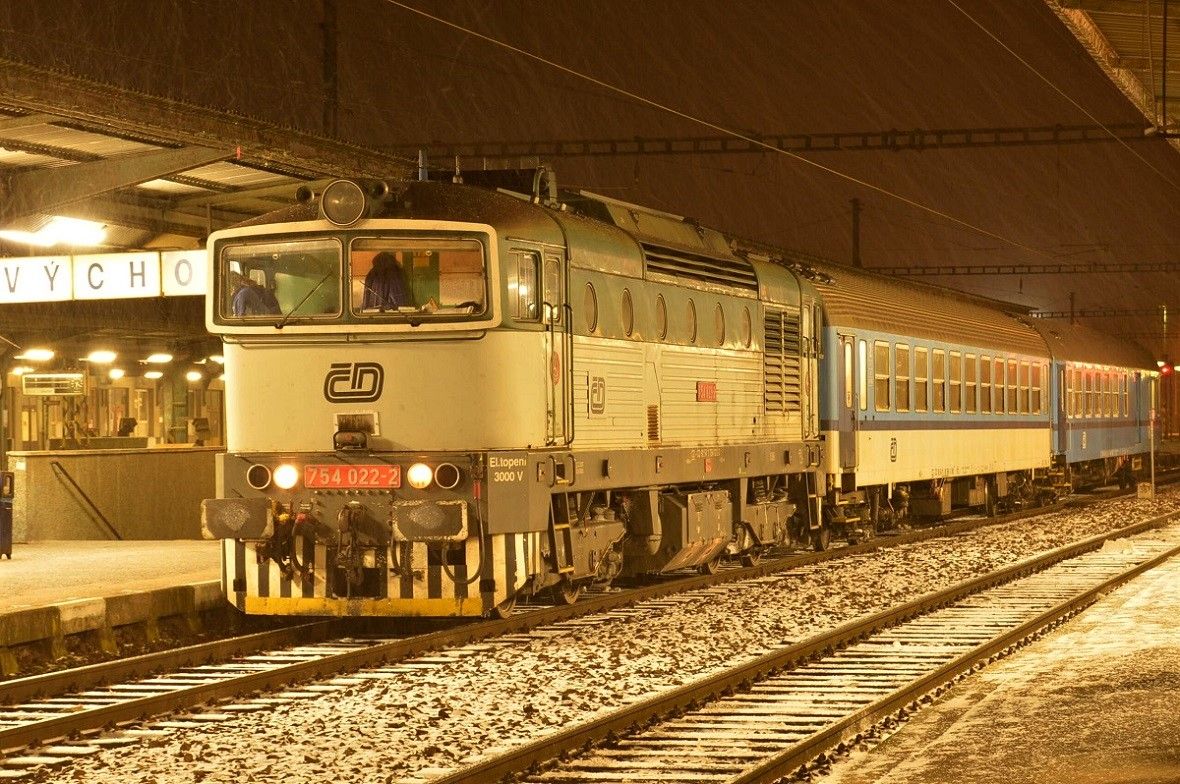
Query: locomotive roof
[
  {"x": 862, "y": 299},
  {"x": 1079, "y": 343}
]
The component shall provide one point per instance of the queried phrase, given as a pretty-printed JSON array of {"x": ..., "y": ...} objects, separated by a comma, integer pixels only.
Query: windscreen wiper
[{"x": 287, "y": 316}]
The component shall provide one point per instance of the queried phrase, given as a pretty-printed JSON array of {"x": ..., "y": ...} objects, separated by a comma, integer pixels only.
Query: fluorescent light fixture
[
  {"x": 153, "y": 374},
  {"x": 20, "y": 370},
  {"x": 116, "y": 373},
  {"x": 59, "y": 230},
  {"x": 101, "y": 357},
  {"x": 161, "y": 358},
  {"x": 193, "y": 375},
  {"x": 217, "y": 358},
  {"x": 37, "y": 354}
]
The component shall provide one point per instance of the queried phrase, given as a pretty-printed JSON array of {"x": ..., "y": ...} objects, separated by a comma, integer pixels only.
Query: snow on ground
[{"x": 416, "y": 722}]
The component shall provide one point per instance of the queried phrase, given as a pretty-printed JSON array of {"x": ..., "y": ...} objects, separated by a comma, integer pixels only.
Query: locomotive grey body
[{"x": 447, "y": 397}]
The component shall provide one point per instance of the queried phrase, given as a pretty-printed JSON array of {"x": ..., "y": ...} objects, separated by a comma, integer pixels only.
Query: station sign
[{"x": 102, "y": 276}]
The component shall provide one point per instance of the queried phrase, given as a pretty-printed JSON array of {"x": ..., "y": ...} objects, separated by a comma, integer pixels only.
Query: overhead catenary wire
[
  {"x": 722, "y": 129},
  {"x": 1062, "y": 93}
]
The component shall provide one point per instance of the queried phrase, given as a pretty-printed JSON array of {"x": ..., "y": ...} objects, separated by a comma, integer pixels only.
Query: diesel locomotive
[{"x": 444, "y": 396}]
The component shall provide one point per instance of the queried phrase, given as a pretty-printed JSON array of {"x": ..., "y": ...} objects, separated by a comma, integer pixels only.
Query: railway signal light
[{"x": 1165, "y": 367}]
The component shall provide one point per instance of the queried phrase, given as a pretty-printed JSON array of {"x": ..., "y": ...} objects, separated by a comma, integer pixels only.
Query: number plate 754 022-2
[{"x": 347, "y": 476}]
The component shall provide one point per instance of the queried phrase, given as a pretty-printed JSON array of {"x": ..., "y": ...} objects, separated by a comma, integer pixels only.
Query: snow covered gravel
[{"x": 420, "y": 719}]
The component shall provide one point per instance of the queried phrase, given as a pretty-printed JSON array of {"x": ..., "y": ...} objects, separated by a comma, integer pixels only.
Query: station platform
[
  {"x": 51, "y": 590},
  {"x": 1094, "y": 702}
]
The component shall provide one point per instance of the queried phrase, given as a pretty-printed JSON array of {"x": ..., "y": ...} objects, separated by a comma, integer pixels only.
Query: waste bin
[{"x": 6, "y": 493}]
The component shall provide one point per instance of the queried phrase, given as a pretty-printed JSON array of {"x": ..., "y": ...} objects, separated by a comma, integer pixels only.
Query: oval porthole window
[
  {"x": 661, "y": 316},
  {"x": 628, "y": 313},
  {"x": 719, "y": 324},
  {"x": 747, "y": 328},
  {"x": 591, "y": 308},
  {"x": 692, "y": 321}
]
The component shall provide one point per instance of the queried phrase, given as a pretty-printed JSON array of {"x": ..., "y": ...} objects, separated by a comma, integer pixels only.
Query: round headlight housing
[
  {"x": 286, "y": 476},
  {"x": 343, "y": 202},
  {"x": 258, "y": 476},
  {"x": 447, "y": 476},
  {"x": 419, "y": 476}
]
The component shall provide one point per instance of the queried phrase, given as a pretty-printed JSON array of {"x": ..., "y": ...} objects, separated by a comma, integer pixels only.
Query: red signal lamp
[{"x": 1165, "y": 367}]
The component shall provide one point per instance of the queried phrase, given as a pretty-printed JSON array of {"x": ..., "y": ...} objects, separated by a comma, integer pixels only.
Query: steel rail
[
  {"x": 531, "y": 756},
  {"x": 53, "y": 684},
  {"x": 386, "y": 652}
]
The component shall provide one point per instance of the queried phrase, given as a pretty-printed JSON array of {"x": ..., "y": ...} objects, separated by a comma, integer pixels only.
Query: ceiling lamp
[
  {"x": 37, "y": 354},
  {"x": 20, "y": 370},
  {"x": 101, "y": 357},
  {"x": 218, "y": 358},
  {"x": 153, "y": 374},
  {"x": 160, "y": 358},
  {"x": 60, "y": 230},
  {"x": 116, "y": 373},
  {"x": 193, "y": 375}
]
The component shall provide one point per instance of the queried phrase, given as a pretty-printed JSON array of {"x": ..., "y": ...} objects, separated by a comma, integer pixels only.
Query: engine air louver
[
  {"x": 732, "y": 272},
  {"x": 781, "y": 390}
]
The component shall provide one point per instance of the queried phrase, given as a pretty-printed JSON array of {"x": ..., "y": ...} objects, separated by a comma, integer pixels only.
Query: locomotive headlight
[
  {"x": 343, "y": 202},
  {"x": 419, "y": 476},
  {"x": 286, "y": 476}
]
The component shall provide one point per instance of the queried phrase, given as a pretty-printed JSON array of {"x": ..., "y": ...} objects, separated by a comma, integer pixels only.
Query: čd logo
[{"x": 354, "y": 382}]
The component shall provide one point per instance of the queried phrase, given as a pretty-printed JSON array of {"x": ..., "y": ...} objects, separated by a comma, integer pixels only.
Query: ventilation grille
[
  {"x": 781, "y": 362},
  {"x": 653, "y": 423},
  {"x": 732, "y": 272}
]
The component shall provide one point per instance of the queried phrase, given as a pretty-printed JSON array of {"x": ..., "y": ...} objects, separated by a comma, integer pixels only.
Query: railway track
[
  {"x": 770, "y": 718},
  {"x": 43, "y": 710}
]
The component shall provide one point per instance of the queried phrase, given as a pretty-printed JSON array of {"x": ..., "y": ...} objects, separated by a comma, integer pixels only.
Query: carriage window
[
  {"x": 985, "y": 385},
  {"x": 1087, "y": 393},
  {"x": 956, "y": 381},
  {"x": 1013, "y": 408},
  {"x": 848, "y": 381},
  {"x": 392, "y": 276},
  {"x": 969, "y": 371},
  {"x": 901, "y": 364},
  {"x": 881, "y": 376},
  {"x": 862, "y": 370},
  {"x": 1023, "y": 391},
  {"x": 1107, "y": 394},
  {"x": 1037, "y": 389},
  {"x": 1123, "y": 394},
  {"x": 1078, "y": 401},
  {"x": 921, "y": 379},
  {"x": 938, "y": 377},
  {"x": 998, "y": 384},
  {"x": 269, "y": 281}
]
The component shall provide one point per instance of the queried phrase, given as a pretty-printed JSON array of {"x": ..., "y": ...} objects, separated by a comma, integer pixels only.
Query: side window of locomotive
[
  {"x": 442, "y": 276},
  {"x": 628, "y": 313},
  {"x": 522, "y": 285},
  {"x": 921, "y": 379},
  {"x": 661, "y": 317},
  {"x": 881, "y": 376},
  {"x": 691, "y": 316},
  {"x": 552, "y": 296},
  {"x": 938, "y": 376}
]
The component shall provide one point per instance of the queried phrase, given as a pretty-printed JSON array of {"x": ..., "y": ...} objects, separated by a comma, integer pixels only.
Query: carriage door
[
  {"x": 1061, "y": 412},
  {"x": 848, "y": 401},
  {"x": 559, "y": 348}
]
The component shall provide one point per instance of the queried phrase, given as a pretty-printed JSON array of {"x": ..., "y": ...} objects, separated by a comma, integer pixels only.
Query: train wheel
[
  {"x": 751, "y": 558},
  {"x": 821, "y": 538},
  {"x": 566, "y": 592},
  {"x": 710, "y": 566}
]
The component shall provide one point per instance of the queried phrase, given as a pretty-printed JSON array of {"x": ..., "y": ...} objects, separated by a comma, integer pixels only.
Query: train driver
[{"x": 385, "y": 284}]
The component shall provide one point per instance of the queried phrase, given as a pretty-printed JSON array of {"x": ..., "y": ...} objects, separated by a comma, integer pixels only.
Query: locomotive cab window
[
  {"x": 522, "y": 285},
  {"x": 270, "y": 281},
  {"x": 427, "y": 276}
]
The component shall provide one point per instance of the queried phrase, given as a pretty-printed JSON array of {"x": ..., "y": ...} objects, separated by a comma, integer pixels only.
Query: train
[{"x": 448, "y": 395}]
